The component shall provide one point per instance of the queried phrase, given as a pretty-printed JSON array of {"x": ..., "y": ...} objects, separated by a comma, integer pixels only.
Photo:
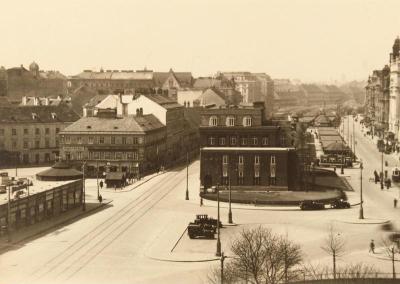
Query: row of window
[
  {"x": 35, "y": 144},
  {"x": 102, "y": 155},
  {"x": 225, "y": 160},
  {"x": 234, "y": 141},
  {"x": 26, "y": 131},
  {"x": 102, "y": 140},
  {"x": 230, "y": 121}
]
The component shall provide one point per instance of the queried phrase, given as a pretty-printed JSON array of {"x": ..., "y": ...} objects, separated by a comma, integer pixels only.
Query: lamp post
[
  {"x": 97, "y": 179},
  {"x": 355, "y": 143},
  {"x": 187, "y": 176},
  {"x": 381, "y": 175},
  {"x": 222, "y": 267},
  {"x": 218, "y": 252},
  {"x": 230, "y": 221},
  {"x": 361, "y": 216},
  {"x": 83, "y": 188},
  {"x": 9, "y": 213}
]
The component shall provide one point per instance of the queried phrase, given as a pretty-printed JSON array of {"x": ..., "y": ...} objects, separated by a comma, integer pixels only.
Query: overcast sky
[{"x": 313, "y": 40}]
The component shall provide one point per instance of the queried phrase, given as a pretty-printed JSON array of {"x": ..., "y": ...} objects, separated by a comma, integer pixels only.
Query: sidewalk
[
  {"x": 33, "y": 230},
  {"x": 133, "y": 185}
]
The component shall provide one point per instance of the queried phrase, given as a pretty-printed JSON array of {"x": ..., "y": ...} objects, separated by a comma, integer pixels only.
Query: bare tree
[
  {"x": 390, "y": 249},
  {"x": 259, "y": 256},
  {"x": 334, "y": 244}
]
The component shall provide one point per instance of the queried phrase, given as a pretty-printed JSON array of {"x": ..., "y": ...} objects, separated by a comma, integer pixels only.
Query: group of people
[{"x": 380, "y": 177}]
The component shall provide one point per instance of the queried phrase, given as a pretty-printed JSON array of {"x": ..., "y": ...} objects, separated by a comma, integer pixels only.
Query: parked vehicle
[
  {"x": 200, "y": 230},
  {"x": 396, "y": 174},
  {"x": 312, "y": 205},
  {"x": 204, "y": 219},
  {"x": 340, "y": 204}
]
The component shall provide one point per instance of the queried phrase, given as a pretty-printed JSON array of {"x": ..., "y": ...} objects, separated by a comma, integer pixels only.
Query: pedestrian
[
  {"x": 395, "y": 203},
  {"x": 334, "y": 169},
  {"x": 115, "y": 187},
  {"x": 376, "y": 176},
  {"x": 372, "y": 246},
  {"x": 100, "y": 198},
  {"x": 101, "y": 184}
]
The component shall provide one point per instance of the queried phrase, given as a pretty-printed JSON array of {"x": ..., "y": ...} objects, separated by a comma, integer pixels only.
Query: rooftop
[
  {"x": 37, "y": 114},
  {"x": 120, "y": 125}
]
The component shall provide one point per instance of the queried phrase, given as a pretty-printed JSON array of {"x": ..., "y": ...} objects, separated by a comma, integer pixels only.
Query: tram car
[{"x": 396, "y": 174}]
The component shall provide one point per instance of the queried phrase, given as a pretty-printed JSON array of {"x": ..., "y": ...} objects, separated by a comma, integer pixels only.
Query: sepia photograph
[{"x": 200, "y": 142}]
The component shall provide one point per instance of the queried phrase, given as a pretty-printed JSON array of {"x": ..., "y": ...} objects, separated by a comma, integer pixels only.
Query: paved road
[{"x": 115, "y": 245}]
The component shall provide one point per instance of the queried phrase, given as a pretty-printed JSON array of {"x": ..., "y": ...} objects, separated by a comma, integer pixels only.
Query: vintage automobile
[
  {"x": 311, "y": 205},
  {"x": 340, "y": 204},
  {"x": 204, "y": 219},
  {"x": 200, "y": 230},
  {"x": 396, "y": 174}
]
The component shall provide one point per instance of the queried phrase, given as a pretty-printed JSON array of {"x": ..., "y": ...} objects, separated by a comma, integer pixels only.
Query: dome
[{"x": 34, "y": 66}]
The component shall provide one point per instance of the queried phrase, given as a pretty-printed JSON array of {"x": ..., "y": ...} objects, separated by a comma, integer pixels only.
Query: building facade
[
  {"x": 377, "y": 100},
  {"x": 135, "y": 144},
  {"x": 34, "y": 82},
  {"x": 394, "y": 102},
  {"x": 239, "y": 148},
  {"x": 29, "y": 134}
]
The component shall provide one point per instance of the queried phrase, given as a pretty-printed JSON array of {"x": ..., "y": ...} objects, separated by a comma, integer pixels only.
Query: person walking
[
  {"x": 101, "y": 184},
  {"x": 395, "y": 203},
  {"x": 372, "y": 246},
  {"x": 100, "y": 198}
]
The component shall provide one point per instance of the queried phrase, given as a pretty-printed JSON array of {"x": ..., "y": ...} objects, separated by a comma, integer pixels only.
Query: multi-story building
[
  {"x": 167, "y": 111},
  {"x": 34, "y": 82},
  {"x": 377, "y": 100},
  {"x": 240, "y": 147},
  {"x": 394, "y": 102},
  {"x": 135, "y": 144},
  {"x": 130, "y": 81},
  {"x": 29, "y": 134},
  {"x": 3, "y": 82}
]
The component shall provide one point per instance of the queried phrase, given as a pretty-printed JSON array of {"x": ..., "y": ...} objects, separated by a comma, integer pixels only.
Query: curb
[
  {"x": 375, "y": 222},
  {"x": 12, "y": 243},
  {"x": 183, "y": 260}
]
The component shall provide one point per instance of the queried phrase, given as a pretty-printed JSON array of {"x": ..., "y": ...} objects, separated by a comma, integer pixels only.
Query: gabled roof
[
  {"x": 125, "y": 124},
  {"x": 37, "y": 114},
  {"x": 185, "y": 79},
  {"x": 94, "y": 101},
  {"x": 204, "y": 83}
]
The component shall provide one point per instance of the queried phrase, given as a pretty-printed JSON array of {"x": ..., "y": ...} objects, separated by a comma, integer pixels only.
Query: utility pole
[
  {"x": 97, "y": 179},
  {"x": 222, "y": 267},
  {"x": 218, "y": 252},
  {"x": 381, "y": 175},
  {"x": 9, "y": 213},
  {"x": 83, "y": 188},
  {"x": 187, "y": 175},
  {"x": 230, "y": 221},
  {"x": 361, "y": 215}
]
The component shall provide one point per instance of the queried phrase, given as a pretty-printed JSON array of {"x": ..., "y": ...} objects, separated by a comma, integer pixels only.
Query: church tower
[{"x": 34, "y": 69}]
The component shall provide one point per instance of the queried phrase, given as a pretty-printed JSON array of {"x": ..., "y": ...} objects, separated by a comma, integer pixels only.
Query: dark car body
[
  {"x": 312, "y": 205},
  {"x": 340, "y": 204}
]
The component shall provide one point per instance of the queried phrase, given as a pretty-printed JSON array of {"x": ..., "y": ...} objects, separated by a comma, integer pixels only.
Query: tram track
[{"x": 105, "y": 229}]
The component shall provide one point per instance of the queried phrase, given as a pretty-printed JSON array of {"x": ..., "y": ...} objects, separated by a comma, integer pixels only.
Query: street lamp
[
  {"x": 222, "y": 267},
  {"x": 9, "y": 213},
  {"x": 218, "y": 252},
  {"x": 381, "y": 175},
  {"x": 230, "y": 221},
  {"x": 187, "y": 176},
  {"x": 361, "y": 216},
  {"x": 83, "y": 187}
]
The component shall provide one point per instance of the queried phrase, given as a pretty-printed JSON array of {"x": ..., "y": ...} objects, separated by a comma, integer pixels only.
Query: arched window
[
  {"x": 213, "y": 121},
  {"x": 247, "y": 121},
  {"x": 230, "y": 121}
]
